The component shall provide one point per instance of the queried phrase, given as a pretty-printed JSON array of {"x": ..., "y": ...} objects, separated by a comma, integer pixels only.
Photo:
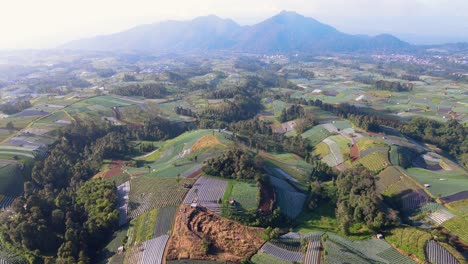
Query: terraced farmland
[
  {"x": 122, "y": 201},
  {"x": 164, "y": 221},
  {"x": 262, "y": 258},
  {"x": 281, "y": 253},
  {"x": 154, "y": 250},
  {"x": 438, "y": 255},
  {"x": 441, "y": 183},
  {"x": 316, "y": 134},
  {"x": 206, "y": 192},
  {"x": 387, "y": 177},
  {"x": 440, "y": 216},
  {"x": 375, "y": 161},
  {"x": 457, "y": 225},
  {"x": 290, "y": 201},
  {"x": 410, "y": 240},
  {"x": 149, "y": 193}
]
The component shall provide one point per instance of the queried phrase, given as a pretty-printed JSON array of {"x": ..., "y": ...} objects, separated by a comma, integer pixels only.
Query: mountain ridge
[{"x": 286, "y": 32}]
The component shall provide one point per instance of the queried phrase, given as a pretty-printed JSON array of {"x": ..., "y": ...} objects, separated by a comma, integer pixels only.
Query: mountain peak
[{"x": 285, "y": 32}]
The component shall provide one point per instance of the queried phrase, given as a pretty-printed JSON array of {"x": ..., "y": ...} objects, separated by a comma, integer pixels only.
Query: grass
[
  {"x": 460, "y": 206},
  {"x": 453, "y": 182},
  {"x": 321, "y": 149},
  {"x": 262, "y": 258},
  {"x": 321, "y": 218},
  {"x": 142, "y": 227},
  {"x": 367, "y": 143},
  {"x": 457, "y": 226},
  {"x": 246, "y": 194},
  {"x": 409, "y": 239}
]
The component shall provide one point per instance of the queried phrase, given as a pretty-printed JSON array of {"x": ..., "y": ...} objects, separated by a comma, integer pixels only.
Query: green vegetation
[
  {"x": 142, "y": 227},
  {"x": 11, "y": 180},
  {"x": 409, "y": 239},
  {"x": 457, "y": 226},
  {"x": 452, "y": 182},
  {"x": 321, "y": 218},
  {"x": 375, "y": 161},
  {"x": 262, "y": 257}
]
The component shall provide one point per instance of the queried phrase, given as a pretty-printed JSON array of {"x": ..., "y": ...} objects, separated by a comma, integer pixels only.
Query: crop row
[
  {"x": 150, "y": 193},
  {"x": 281, "y": 253},
  {"x": 437, "y": 254},
  {"x": 206, "y": 192},
  {"x": 154, "y": 250},
  {"x": 164, "y": 221}
]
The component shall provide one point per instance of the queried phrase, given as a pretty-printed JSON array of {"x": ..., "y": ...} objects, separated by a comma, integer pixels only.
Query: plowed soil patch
[
  {"x": 204, "y": 142},
  {"x": 115, "y": 168}
]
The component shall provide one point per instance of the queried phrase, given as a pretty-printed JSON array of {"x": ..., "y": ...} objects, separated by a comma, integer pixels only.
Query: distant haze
[{"x": 49, "y": 23}]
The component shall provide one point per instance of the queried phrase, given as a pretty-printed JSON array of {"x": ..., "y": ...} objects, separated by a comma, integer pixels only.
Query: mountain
[
  {"x": 284, "y": 33},
  {"x": 202, "y": 33}
]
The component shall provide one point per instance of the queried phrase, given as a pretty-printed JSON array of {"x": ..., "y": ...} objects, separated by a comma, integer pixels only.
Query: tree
[{"x": 10, "y": 126}]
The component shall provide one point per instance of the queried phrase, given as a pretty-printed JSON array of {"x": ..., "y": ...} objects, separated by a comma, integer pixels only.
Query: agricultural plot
[
  {"x": 335, "y": 157},
  {"x": 437, "y": 254},
  {"x": 413, "y": 200},
  {"x": 122, "y": 201},
  {"x": 290, "y": 164},
  {"x": 312, "y": 255},
  {"x": 154, "y": 250},
  {"x": 6, "y": 202},
  {"x": 135, "y": 254},
  {"x": 440, "y": 216},
  {"x": 164, "y": 221},
  {"x": 149, "y": 193},
  {"x": 262, "y": 258},
  {"x": 457, "y": 225},
  {"x": 108, "y": 101},
  {"x": 460, "y": 206},
  {"x": 246, "y": 194},
  {"x": 375, "y": 161},
  {"x": 339, "y": 254},
  {"x": 443, "y": 183},
  {"x": 460, "y": 196},
  {"x": 387, "y": 177},
  {"x": 207, "y": 192},
  {"x": 290, "y": 201},
  {"x": 410, "y": 240},
  {"x": 142, "y": 227},
  {"x": 281, "y": 253},
  {"x": 316, "y": 134}
]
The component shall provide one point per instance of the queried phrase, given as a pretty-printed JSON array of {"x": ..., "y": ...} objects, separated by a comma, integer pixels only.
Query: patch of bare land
[{"x": 199, "y": 234}]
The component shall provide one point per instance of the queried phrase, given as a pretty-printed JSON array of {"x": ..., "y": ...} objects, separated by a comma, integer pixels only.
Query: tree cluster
[
  {"x": 13, "y": 108},
  {"x": 235, "y": 164},
  {"x": 146, "y": 90}
]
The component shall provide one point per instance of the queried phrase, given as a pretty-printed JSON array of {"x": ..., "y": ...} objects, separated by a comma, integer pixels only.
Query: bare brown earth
[
  {"x": 115, "y": 168},
  {"x": 228, "y": 240}
]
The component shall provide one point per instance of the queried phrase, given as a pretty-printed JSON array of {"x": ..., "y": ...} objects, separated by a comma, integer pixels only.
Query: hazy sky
[{"x": 47, "y": 23}]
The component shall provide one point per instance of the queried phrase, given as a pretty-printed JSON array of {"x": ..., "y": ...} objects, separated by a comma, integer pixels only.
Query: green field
[
  {"x": 289, "y": 163},
  {"x": 452, "y": 182},
  {"x": 148, "y": 193},
  {"x": 458, "y": 226},
  {"x": 246, "y": 194},
  {"x": 316, "y": 134},
  {"x": 409, "y": 239},
  {"x": 375, "y": 161},
  {"x": 321, "y": 218},
  {"x": 142, "y": 227},
  {"x": 264, "y": 258}
]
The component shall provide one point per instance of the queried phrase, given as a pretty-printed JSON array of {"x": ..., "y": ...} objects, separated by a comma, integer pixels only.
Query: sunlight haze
[{"x": 48, "y": 23}]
